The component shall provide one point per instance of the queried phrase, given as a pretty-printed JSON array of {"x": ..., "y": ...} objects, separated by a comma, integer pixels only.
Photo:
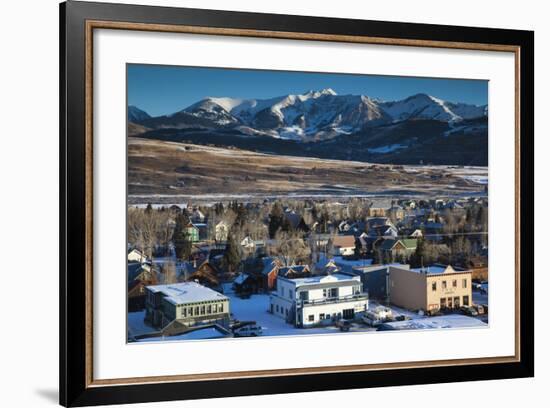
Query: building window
[
  {"x": 450, "y": 303},
  {"x": 310, "y": 318},
  {"x": 466, "y": 300},
  {"x": 203, "y": 310},
  {"x": 286, "y": 312},
  {"x": 221, "y": 308},
  {"x": 215, "y": 308},
  {"x": 456, "y": 302},
  {"x": 325, "y": 293},
  {"x": 454, "y": 283},
  {"x": 209, "y": 309},
  {"x": 196, "y": 310},
  {"x": 444, "y": 284},
  {"x": 464, "y": 283},
  {"x": 322, "y": 316},
  {"x": 434, "y": 286},
  {"x": 277, "y": 308},
  {"x": 184, "y": 311},
  {"x": 333, "y": 292}
]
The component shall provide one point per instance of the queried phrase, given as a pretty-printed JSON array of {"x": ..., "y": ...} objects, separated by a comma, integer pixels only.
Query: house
[
  {"x": 135, "y": 255},
  {"x": 269, "y": 273},
  {"x": 192, "y": 232},
  {"x": 139, "y": 276},
  {"x": 296, "y": 221},
  {"x": 395, "y": 212},
  {"x": 221, "y": 231},
  {"x": 318, "y": 300},
  {"x": 248, "y": 243},
  {"x": 430, "y": 288},
  {"x": 416, "y": 234},
  {"x": 206, "y": 274},
  {"x": 343, "y": 245},
  {"x": 293, "y": 271},
  {"x": 197, "y": 216},
  {"x": 376, "y": 212},
  {"x": 203, "y": 230},
  {"x": 245, "y": 283},
  {"x": 397, "y": 248},
  {"x": 188, "y": 304}
]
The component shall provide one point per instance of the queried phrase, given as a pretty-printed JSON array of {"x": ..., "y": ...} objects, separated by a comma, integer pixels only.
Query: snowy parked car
[{"x": 249, "y": 330}]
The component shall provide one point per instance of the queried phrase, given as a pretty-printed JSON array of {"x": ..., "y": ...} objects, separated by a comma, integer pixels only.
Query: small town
[{"x": 290, "y": 267}]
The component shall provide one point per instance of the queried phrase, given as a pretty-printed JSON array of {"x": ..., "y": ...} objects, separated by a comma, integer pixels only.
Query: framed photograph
[{"x": 257, "y": 204}]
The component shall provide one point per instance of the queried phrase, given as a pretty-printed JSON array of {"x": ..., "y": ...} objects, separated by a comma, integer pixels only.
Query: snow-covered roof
[
  {"x": 315, "y": 280},
  {"x": 437, "y": 269},
  {"x": 438, "y": 322},
  {"x": 186, "y": 292}
]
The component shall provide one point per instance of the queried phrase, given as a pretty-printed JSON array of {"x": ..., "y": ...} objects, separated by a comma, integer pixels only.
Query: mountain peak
[{"x": 316, "y": 94}]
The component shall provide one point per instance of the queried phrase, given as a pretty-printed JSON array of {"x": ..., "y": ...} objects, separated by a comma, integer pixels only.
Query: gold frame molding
[{"x": 115, "y": 25}]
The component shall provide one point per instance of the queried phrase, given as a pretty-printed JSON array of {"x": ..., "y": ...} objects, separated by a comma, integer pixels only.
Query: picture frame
[{"x": 78, "y": 20}]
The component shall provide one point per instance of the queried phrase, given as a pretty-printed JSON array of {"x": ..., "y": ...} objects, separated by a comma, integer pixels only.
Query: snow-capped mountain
[
  {"x": 420, "y": 128},
  {"x": 137, "y": 115},
  {"x": 422, "y": 106},
  {"x": 318, "y": 115}
]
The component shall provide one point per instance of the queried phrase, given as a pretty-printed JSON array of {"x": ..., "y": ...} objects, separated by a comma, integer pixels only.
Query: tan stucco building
[{"x": 430, "y": 288}]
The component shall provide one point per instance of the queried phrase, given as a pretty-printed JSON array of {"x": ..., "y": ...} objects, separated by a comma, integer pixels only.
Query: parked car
[
  {"x": 401, "y": 318},
  {"x": 249, "y": 330},
  {"x": 343, "y": 325},
  {"x": 469, "y": 310}
]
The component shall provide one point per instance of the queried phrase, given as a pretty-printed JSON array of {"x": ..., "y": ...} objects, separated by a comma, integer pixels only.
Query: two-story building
[
  {"x": 318, "y": 300},
  {"x": 430, "y": 288},
  {"x": 187, "y": 303}
]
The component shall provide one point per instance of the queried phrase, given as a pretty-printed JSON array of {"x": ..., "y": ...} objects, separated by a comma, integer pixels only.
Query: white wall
[{"x": 29, "y": 171}]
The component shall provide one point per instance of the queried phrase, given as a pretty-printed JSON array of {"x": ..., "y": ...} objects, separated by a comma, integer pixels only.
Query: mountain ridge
[{"x": 419, "y": 128}]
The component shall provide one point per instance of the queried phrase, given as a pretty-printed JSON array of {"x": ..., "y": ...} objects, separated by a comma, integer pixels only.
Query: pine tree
[
  {"x": 276, "y": 219},
  {"x": 182, "y": 243},
  {"x": 232, "y": 255}
]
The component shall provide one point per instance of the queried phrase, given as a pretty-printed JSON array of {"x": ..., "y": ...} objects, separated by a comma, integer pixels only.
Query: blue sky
[{"x": 161, "y": 90}]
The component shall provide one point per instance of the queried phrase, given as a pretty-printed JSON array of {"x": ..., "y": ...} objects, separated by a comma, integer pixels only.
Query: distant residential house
[
  {"x": 293, "y": 272},
  {"x": 416, "y": 234},
  {"x": 135, "y": 255},
  {"x": 396, "y": 212},
  {"x": 381, "y": 227},
  {"x": 197, "y": 216},
  {"x": 376, "y": 212},
  {"x": 344, "y": 226},
  {"x": 430, "y": 288},
  {"x": 222, "y": 231},
  {"x": 139, "y": 276},
  {"x": 326, "y": 267},
  {"x": 318, "y": 300},
  {"x": 192, "y": 232},
  {"x": 296, "y": 221},
  {"x": 343, "y": 245},
  {"x": 398, "y": 248},
  {"x": 248, "y": 244},
  {"x": 245, "y": 283},
  {"x": 207, "y": 274},
  {"x": 186, "y": 304},
  {"x": 269, "y": 273}
]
